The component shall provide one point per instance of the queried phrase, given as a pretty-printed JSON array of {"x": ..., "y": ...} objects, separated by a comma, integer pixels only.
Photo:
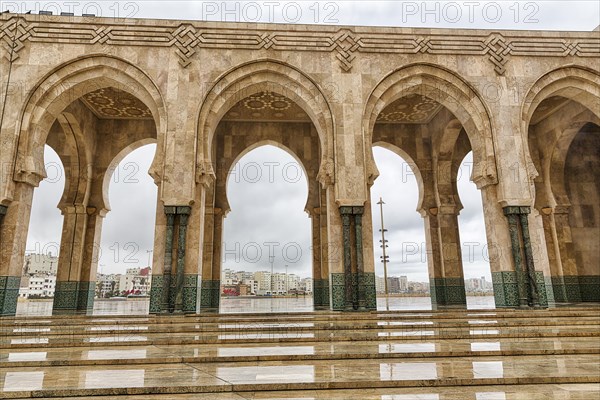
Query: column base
[
  {"x": 321, "y": 294},
  {"x": 210, "y": 295},
  {"x": 506, "y": 290},
  {"x": 74, "y": 298},
  {"x": 190, "y": 294},
  {"x": 9, "y": 295},
  {"x": 338, "y": 292},
  {"x": 156, "y": 295},
  {"x": 448, "y": 293}
]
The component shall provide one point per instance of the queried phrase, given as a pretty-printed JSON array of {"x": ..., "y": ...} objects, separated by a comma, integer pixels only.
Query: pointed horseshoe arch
[
  {"x": 69, "y": 82},
  {"x": 448, "y": 89},
  {"x": 265, "y": 75}
]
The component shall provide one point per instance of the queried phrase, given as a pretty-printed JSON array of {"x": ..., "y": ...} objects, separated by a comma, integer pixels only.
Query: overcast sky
[{"x": 272, "y": 210}]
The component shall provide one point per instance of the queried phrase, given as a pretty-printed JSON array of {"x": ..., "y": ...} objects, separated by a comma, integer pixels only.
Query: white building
[
  {"x": 38, "y": 286},
  {"x": 264, "y": 283},
  {"x": 252, "y": 284},
  {"x": 306, "y": 285},
  {"x": 36, "y": 264}
]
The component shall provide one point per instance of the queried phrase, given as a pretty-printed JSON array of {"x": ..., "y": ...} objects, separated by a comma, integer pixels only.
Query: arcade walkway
[{"x": 485, "y": 354}]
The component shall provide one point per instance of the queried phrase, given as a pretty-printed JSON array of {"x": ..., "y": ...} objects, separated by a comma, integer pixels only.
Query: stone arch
[
  {"x": 447, "y": 88},
  {"x": 414, "y": 167},
  {"x": 68, "y": 82},
  {"x": 255, "y": 146},
  {"x": 576, "y": 83},
  {"x": 113, "y": 166},
  {"x": 78, "y": 169},
  {"x": 557, "y": 163},
  {"x": 266, "y": 75}
]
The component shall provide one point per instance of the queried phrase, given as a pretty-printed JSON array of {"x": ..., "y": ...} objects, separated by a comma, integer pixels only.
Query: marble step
[
  {"x": 282, "y": 326},
  {"x": 34, "y": 357},
  {"x": 25, "y": 340},
  {"x": 497, "y": 392},
  {"x": 315, "y": 316},
  {"x": 114, "y": 380}
]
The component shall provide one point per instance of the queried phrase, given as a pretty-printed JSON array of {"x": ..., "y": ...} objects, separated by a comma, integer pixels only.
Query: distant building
[{"x": 44, "y": 264}]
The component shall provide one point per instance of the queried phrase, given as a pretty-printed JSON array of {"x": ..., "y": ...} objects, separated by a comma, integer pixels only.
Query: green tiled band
[
  {"x": 589, "y": 285},
  {"x": 321, "y": 294},
  {"x": 210, "y": 295},
  {"x": 85, "y": 297},
  {"x": 73, "y": 297},
  {"x": 575, "y": 289},
  {"x": 368, "y": 282},
  {"x": 9, "y": 294},
  {"x": 189, "y": 299},
  {"x": 190, "y": 294},
  {"x": 506, "y": 291},
  {"x": 338, "y": 295},
  {"x": 447, "y": 292},
  {"x": 156, "y": 294}
]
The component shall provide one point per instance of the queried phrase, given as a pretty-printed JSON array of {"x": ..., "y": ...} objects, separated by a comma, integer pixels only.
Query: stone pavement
[{"x": 485, "y": 354}]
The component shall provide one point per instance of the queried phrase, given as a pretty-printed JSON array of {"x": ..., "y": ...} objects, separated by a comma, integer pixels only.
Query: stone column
[
  {"x": 91, "y": 254},
  {"x": 529, "y": 283},
  {"x": 183, "y": 214},
  {"x": 168, "y": 261},
  {"x": 170, "y": 289},
  {"x": 346, "y": 212},
  {"x": 356, "y": 285},
  {"x": 70, "y": 261},
  {"x": 360, "y": 268},
  {"x": 315, "y": 219},
  {"x": 444, "y": 257},
  {"x": 567, "y": 280},
  {"x": 324, "y": 259},
  {"x": 335, "y": 253},
  {"x": 13, "y": 238},
  {"x": 217, "y": 260},
  {"x": 452, "y": 282},
  {"x": 211, "y": 260}
]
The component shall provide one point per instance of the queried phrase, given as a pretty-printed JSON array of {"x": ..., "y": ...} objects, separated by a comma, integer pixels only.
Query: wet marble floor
[{"x": 481, "y": 354}]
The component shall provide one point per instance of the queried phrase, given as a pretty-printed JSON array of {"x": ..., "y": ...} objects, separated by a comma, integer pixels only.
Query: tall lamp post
[{"x": 384, "y": 258}]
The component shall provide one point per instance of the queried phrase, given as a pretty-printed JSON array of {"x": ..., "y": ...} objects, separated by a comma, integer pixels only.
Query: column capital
[
  {"x": 72, "y": 209},
  {"x": 352, "y": 210},
  {"x": 516, "y": 210}
]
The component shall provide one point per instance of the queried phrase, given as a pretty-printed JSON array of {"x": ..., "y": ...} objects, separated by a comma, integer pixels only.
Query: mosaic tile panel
[
  {"x": 506, "y": 291},
  {"x": 368, "y": 281},
  {"x": 210, "y": 295},
  {"x": 541, "y": 287},
  {"x": 190, "y": 293},
  {"x": 447, "y": 292},
  {"x": 9, "y": 294},
  {"x": 589, "y": 286},
  {"x": 321, "y": 294},
  {"x": 338, "y": 296},
  {"x": 65, "y": 298},
  {"x": 85, "y": 297},
  {"x": 156, "y": 292}
]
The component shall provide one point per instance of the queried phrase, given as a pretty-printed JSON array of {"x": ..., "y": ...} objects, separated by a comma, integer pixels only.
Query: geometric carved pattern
[
  {"x": 267, "y": 106},
  {"x": 188, "y": 37},
  {"x": 111, "y": 103},
  {"x": 411, "y": 109}
]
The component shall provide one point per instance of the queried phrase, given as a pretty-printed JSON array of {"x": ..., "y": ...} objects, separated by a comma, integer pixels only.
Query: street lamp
[{"x": 384, "y": 258}]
